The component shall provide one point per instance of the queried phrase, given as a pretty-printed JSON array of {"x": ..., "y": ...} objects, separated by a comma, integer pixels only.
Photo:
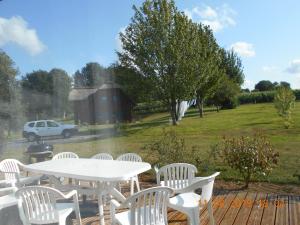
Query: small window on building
[{"x": 104, "y": 98}]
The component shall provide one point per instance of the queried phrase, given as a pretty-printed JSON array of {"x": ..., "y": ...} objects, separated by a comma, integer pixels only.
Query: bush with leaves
[
  {"x": 171, "y": 148},
  {"x": 250, "y": 155},
  {"x": 284, "y": 103}
]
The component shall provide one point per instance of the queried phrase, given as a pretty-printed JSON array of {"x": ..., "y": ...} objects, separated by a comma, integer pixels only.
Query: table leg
[{"x": 100, "y": 203}]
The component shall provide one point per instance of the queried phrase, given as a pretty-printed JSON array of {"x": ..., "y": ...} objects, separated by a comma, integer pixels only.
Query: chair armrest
[
  {"x": 115, "y": 204},
  {"x": 194, "y": 186},
  {"x": 8, "y": 190},
  {"x": 70, "y": 194}
]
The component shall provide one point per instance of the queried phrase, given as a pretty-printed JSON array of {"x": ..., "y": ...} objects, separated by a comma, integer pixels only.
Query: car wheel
[
  {"x": 67, "y": 134},
  {"x": 31, "y": 137}
]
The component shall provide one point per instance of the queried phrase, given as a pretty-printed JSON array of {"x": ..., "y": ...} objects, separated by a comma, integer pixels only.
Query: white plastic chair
[
  {"x": 7, "y": 197},
  {"x": 12, "y": 174},
  {"x": 147, "y": 207},
  {"x": 131, "y": 157},
  {"x": 38, "y": 205},
  {"x": 176, "y": 175},
  {"x": 190, "y": 203},
  {"x": 103, "y": 156},
  {"x": 65, "y": 155}
]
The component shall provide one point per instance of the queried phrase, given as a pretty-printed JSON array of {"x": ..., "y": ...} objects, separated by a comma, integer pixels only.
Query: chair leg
[
  {"x": 62, "y": 221},
  {"x": 210, "y": 212},
  {"x": 194, "y": 216},
  {"x": 131, "y": 186},
  {"x": 137, "y": 183}
]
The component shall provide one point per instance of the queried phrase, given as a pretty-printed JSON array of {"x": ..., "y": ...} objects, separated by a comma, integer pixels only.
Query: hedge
[
  {"x": 149, "y": 107},
  {"x": 261, "y": 97}
]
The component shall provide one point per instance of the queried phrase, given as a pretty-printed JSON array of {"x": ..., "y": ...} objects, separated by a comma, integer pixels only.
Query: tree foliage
[
  {"x": 180, "y": 58},
  {"x": 11, "y": 113},
  {"x": 134, "y": 84},
  {"x": 227, "y": 90},
  {"x": 46, "y": 93},
  {"x": 233, "y": 66},
  {"x": 284, "y": 102},
  {"x": 61, "y": 88},
  {"x": 265, "y": 85},
  {"x": 225, "y": 96},
  {"x": 91, "y": 75},
  {"x": 250, "y": 155},
  {"x": 207, "y": 66}
]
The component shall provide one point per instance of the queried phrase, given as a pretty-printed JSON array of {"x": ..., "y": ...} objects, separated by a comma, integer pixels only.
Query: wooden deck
[
  {"x": 230, "y": 208},
  {"x": 238, "y": 208}
]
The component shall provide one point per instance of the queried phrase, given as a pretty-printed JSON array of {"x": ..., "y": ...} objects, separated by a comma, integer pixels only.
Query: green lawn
[{"x": 205, "y": 132}]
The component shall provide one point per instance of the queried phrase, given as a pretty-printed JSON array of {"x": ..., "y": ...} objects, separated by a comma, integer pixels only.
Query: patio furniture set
[{"x": 101, "y": 176}]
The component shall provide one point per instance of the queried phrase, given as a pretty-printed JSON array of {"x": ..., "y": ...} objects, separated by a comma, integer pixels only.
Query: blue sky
[{"x": 68, "y": 34}]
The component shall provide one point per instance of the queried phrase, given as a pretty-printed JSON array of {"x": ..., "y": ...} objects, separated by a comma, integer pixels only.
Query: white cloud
[
  {"x": 294, "y": 67},
  {"x": 119, "y": 46},
  {"x": 217, "y": 18},
  {"x": 243, "y": 49},
  {"x": 15, "y": 30}
]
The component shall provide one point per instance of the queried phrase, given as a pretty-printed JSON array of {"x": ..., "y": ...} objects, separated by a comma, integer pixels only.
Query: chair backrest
[
  {"x": 131, "y": 157},
  {"x": 65, "y": 155},
  {"x": 176, "y": 175},
  {"x": 206, "y": 184},
  {"x": 103, "y": 156},
  {"x": 149, "y": 207},
  {"x": 11, "y": 170},
  {"x": 37, "y": 205}
]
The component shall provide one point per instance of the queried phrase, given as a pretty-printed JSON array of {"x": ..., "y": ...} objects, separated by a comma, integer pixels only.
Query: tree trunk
[
  {"x": 173, "y": 112},
  {"x": 200, "y": 103}
]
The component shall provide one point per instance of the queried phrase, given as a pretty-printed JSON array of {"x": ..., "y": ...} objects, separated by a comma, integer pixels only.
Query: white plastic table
[{"x": 103, "y": 172}]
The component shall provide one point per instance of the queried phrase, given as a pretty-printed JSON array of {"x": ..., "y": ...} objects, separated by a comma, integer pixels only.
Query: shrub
[
  {"x": 284, "y": 103},
  {"x": 171, "y": 148},
  {"x": 250, "y": 155},
  {"x": 150, "y": 107}
]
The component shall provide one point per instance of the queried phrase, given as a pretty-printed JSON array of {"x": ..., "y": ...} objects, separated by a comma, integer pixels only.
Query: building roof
[{"x": 78, "y": 94}]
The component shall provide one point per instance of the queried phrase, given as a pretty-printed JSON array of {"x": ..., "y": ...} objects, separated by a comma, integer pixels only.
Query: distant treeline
[{"x": 261, "y": 97}]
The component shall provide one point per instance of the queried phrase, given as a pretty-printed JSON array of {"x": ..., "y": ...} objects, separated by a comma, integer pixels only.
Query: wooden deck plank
[
  {"x": 222, "y": 204},
  {"x": 246, "y": 209},
  {"x": 294, "y": 210},
  {"x": 269, "y": 214},
  {"x": 257, "y": 211},
  {"x": 282, "y": 211},
  {"x": 234, "y": 208}
]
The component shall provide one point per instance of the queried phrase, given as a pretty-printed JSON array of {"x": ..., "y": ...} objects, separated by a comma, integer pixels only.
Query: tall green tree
[
  {"x": 11, "y": 113},
  {"x": 91, "y": 75},
  {"x": 265, "y": 85},
  {"x": 230, "y": 85},
  {"x": 135, "y": 85},
  {"x": 61, "y": 89},
  {"x": 284, "y": 102},
  {"x": 158, "y": 44},
  {"x": 46, "y": 93},
  {"x": 207, "y": 64},
  {"x": 37, "y": 94},
  {"x": 233, "y": 66}
]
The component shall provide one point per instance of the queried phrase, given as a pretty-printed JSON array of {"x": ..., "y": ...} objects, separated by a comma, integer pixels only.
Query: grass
[{"x": 203, "y": 132}]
